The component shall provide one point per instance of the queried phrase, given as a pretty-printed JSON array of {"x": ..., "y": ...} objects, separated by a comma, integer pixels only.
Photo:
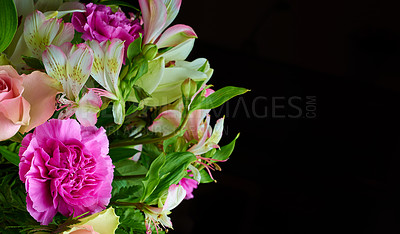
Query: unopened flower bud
[
  {"x": 124, "y": 72},
  {"x": 150, "y": 51},
  {"x": 189, "y": 88}
]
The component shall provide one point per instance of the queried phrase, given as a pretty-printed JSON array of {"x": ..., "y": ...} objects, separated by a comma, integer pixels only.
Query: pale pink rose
[
  {"x": 14, "y": 109},
  {"x": 26, "y": 101}
]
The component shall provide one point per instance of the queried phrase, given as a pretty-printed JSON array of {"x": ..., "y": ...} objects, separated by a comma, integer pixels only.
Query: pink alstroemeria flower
[
  {"x": 198, "y": 128},
  {"x": 71, "y": 65},
  {"x": 157, "y": 16},
  {"x": 158, "y": 215}
]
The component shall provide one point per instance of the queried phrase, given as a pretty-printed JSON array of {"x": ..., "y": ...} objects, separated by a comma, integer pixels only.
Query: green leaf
[
  {"x": 174, "y": 144},
  {"x": 140, "y": 93},
  {"x": 174, "y": 169},
  {"x": 33, "y": 62},
  {"x": 126, "y": 193},
  {"x": 10, "y": 156},
  {"x": 8, "y": 22},
  {"x": 149, "y": 153},
  {"x": 219, "y": 97},
  {"x": 128, "y": 167},
  {"x": 118, "y": 154},
  {"x": 153, "y": 176},
  {"x": 205, "y": 177},
  {"x": 134, "y": 49},
  {"x": 226, "y": 150},
  {"x": 132, "y": 108}
]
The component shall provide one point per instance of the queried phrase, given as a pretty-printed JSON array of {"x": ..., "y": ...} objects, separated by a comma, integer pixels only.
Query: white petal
[
  {"x": 176, "y": 193},
  {"x": 98, "y": 69},
  {"x": 54, "y": 61},
  {"x": 179, "y": 52},
  {"x": 79, "y": 66},
  {"x": 113, "y": 63}
]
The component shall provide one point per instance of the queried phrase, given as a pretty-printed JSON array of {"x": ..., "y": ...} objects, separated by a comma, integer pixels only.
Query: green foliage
[
  {"x": 8, "y": 22},
  {"x": 9, "y": 153},
  {"x": 175, "y": 144},
  {"x": 33, "y": 62},
  {"x": 127, "y": 183},
  {"x": 134, "y": 49},
  {"x": 218, "y": 98},
  {"x": 205, "y": 177},
  {"x": 225, "y": 151},
  {"x": 171, "y": 172},
  {"x": 131, "y": 221},
  {"x": 149, "y": 153},
  {"x": 153, "y": 176},
  {"x": 12, "y": 200},
  {"x": 118, "y": 154}
]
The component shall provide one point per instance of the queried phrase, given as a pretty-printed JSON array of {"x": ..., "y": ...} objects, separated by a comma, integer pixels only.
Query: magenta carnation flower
[
  {"x": 101, "y": 24},
  {"x": 66, "y": 169}
]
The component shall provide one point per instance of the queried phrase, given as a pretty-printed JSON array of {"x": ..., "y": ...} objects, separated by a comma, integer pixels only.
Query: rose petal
[{"x": 40, "y": 92}]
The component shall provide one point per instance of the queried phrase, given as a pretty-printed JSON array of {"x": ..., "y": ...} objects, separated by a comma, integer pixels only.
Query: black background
[{"x": 335, "y": 173}]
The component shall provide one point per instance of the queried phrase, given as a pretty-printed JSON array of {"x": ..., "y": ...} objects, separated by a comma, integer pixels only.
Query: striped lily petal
[
  {"x": 154, "y": 14},
  {"x": 55, "y": 60},
  {"x": 173, "y": 7},
  {"x": 107, "y": 63},
  {"x": 79, "y": 66},
  {"x": 114, "y": 59}
]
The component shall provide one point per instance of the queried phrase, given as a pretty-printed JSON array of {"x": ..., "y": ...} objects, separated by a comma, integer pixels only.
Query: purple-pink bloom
[
  {"x": 101, "y": 24},
  {"x": 189, "y": 185},
  {"x": 66, "y": 169}
]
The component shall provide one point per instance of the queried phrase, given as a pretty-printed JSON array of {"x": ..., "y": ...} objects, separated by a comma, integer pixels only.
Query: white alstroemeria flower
[
  {"x": 159, "y": 215},
  {"x": 164, "y": 83},
  {"x": 108, "y": 59},
  {"x": 40, "y": 32},
  {"x": 56, "y": 8},
  {"x": 71, "y": 66}
]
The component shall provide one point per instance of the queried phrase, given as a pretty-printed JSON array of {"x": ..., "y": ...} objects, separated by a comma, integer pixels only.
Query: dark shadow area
[{"x": 319, "y": 144}]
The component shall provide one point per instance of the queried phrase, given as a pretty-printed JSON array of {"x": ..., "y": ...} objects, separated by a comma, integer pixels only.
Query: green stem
[
  {"x": 137, "y": 205},
  {"x": 152, "y": 140},
  {"x": 114, "y": 130},
  {"x": 17, "y": 138}
]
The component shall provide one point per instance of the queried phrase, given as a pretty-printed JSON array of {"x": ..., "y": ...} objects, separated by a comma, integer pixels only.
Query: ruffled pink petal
[{"x": 62, "y": 130}]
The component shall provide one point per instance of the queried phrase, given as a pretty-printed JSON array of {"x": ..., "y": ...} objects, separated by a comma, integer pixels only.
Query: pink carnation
[
  {"x": 101, "y": 24},
  {"x": 66, "y": 169}
]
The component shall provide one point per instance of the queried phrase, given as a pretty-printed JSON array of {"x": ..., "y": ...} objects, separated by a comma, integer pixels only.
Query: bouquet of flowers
[{"x": 104, "y": 124}]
